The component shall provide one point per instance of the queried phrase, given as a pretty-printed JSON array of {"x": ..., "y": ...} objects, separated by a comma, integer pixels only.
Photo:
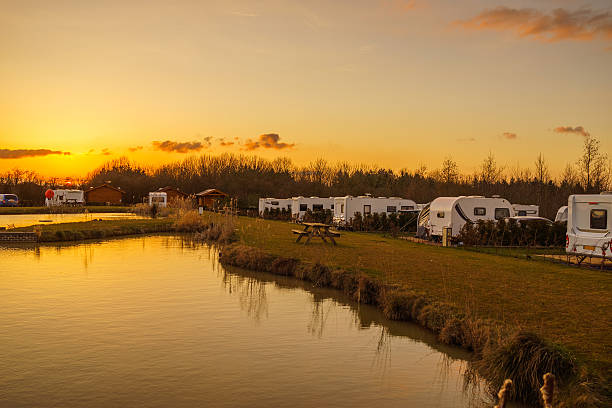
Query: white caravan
[
  {"x": 274, "y": 204},
  {"x": 526, "y": 210},
  {"x": 158, "y": 198},
  {"x": 66, "y": 197},
  {"x": 589, "y": 225},
  {"x": 345, "y": 208},
  {"x": 455, "y": 212},
  {"x": 300, "y": 205},
  {"x": 561, "y": 214}
]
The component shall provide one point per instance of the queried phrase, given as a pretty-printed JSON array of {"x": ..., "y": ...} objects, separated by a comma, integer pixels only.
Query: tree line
[{"x": 248, "y": 178}]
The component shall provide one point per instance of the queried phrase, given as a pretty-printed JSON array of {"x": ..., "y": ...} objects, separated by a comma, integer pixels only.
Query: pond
[
  {"x": 25, "y": 220},
  {"x": 157, "y": 322}
]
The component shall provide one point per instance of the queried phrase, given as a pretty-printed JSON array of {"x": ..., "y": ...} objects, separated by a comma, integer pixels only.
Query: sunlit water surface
[
  {"x": 155, "y": 322},
  {"x": 25, "y": 220}
]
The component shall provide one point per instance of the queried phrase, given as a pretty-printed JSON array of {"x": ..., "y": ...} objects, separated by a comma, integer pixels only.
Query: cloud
[
  {"x": 20, "y": 153},
  {"x": 178, "y": 147},
  {"x": 267, "y": 141},
  {"x": 222, "y": 142},
  {"x": 134, "y": 149},
  {"x": 468, "y": 139},
  {"x": 558, "y": 25},
  {"x": 578, "y": 130},
  {"x": 509, "y": 136},
  {"x": 106, "y": 152}
]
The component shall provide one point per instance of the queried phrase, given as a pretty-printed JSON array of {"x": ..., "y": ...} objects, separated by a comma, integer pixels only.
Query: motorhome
[
  {"x": 589, "y": 225},
  {"x": 526, "y": 210},
  {"x": 300, "y": 205},
  {"x": 455, "y": 212},
  {"x": 158, "y": 198},
  {"x": 65, "y": 197},
  {"x": 346, "y": 207},
  {"x": 274, "y": 204},
  {"x": 561, "y": 214},
  {"x": 9, "y": 200}
]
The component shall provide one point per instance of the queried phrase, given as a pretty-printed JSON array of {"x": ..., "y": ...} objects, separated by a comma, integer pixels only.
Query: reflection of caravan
[
  {"x": 274, "y": 204},
  {"x": 158, "y": 198},
  {"x": 589, "y": 225},
  {"x": 455, "y": 212},
  {"x": 66, "y": 197},
  {"x": 526, "y": 210},
  {"x": 345, "y": 208},
  {"x": 561, "y": 214},
  {"x": 300, "y": 205}
]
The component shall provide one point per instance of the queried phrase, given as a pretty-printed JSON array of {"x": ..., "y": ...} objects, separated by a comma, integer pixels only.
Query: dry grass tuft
[{"x": 504, "y": 394}]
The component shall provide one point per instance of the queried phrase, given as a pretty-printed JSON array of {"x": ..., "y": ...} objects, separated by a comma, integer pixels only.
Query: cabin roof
[
  {"x": 105, "y": 186},
  {"x": 171, "y": 188},
  {"x": 213, "y": 192}
]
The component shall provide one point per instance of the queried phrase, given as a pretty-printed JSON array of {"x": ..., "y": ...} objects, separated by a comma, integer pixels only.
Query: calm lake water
[
  {"x": 156, "y": 322},
  {"x": 25, "y": 220}
]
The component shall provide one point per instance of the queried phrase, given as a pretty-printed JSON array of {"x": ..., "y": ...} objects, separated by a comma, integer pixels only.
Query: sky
[{"x": 396, "y": 83}]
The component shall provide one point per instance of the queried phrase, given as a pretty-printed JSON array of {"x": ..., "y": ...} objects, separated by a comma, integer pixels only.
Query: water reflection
[{"x": 156, "y": 321}]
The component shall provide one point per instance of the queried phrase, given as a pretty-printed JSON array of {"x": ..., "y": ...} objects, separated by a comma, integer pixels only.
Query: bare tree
[
  {"x": 542, "y": 174},
  {"x": 569, "y": 176},
  {"x": 490, "y": 172},
  {"x": 449, "y": 173},
  {"x": 592, "y": 165}
]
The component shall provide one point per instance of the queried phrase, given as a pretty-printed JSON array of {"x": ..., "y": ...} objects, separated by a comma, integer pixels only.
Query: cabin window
[
  {"x": 599, "y": 219},
  {"x": 391, "y": 208},
  {"x": 501, "y": 213},
  {"x": 367, "y": 209},
  {"x": 303, "y": 207},
  {"x": 481, "y": 211},
  {"x": 342, "y": 208},
  {"x": 317, "y": 207},
  {"x": 274, "y": 203},
  {"x": 407, "y": 207},
  {"x": 440, "y": 214}
]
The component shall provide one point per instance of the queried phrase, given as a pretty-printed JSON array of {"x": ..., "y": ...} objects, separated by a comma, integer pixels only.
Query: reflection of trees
[
  {"x": 382, "y": 357},
  {"x": 319, "y": 315},
  {"x": 251, "y": 293}
]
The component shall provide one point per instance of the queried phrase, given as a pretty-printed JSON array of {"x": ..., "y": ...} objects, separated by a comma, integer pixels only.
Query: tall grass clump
[
  {"x": 190, "y": 221},
  {"x": 222, "y": 231}
]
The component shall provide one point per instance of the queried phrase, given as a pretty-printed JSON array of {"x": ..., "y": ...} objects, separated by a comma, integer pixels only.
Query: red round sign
[{"x": 49, "y": 194}]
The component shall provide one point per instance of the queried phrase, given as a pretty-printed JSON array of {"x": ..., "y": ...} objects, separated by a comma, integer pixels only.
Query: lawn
[
  {"x": 568, "y": 305},
  {"x": 65, "y": 210}
]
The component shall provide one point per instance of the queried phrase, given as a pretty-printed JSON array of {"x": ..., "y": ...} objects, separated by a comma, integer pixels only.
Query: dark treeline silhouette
[{"x": 250, "y": 177}]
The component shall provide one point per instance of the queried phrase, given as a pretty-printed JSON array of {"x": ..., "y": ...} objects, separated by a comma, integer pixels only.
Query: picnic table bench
[{"x": 316, "y": 229}]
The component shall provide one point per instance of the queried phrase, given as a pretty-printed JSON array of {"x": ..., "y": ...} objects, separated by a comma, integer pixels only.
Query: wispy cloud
[
  {"x": 267, "y": 141},
  {"x": 509, "y": 135},
  {"x": 577, "y": 130},
  {"x": 135, "y": 148},
  {"x": 557, "y": 25},
  {"x": 178, "y": 147},
  {"x": 106, "y": 152},
  {"x": 400, "y": 5},
  {"x": 223, "y": 142},
  {"x": 243, "y": 13},
  {"x": 21, "y": 153},
  {"x": 467, "y": 139}
]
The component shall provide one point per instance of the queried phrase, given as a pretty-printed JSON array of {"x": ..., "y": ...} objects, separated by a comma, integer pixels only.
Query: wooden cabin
[
  {"x": 173, "y": 193},
  {"x": 210, "y": 198},
  {"x": 104, "y": 194}
]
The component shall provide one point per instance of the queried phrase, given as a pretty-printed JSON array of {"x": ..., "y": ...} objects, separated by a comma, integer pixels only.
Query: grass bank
[
  {"x": 65, "y": 210},
  {"x": 76, "y": 231},
  {"x": 489, "y": 303}
]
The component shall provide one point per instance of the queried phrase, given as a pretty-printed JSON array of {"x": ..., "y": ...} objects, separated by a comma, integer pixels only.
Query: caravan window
[
  {"x": 367, "y": 209},
  {"x": 501, "y": 213},
  {"x": 407, "y": 207},
  {"x": 480, "y": 211},
  {"x": 332, "y": 206},
  {"x": 391, "y": 208},
  {"x": 599, "y": 219},
  {"x": 303, "y": 207},
  {"x": 274, "y": 203},
  {"x": 522, "y": 213},
  {"x": 440, "y": 214},
  {"x": 317, "y": 207},
  {"x": 342, "y": 208},
  {"x": 289, "y": 207}
]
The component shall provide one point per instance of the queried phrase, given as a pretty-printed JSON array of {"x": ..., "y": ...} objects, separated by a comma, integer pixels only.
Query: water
[
  {"x": 155, "y": 322},
  {"x": 25, "y": 220}
]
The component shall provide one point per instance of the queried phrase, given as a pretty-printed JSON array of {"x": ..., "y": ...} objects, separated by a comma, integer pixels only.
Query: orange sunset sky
[{"x": 396, "y": 83}]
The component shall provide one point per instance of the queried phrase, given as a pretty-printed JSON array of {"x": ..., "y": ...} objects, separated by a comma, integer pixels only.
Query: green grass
[
  {"x": 66, "y": 210},
  {"x": 75, "y": 231},
  {"x": 566, "y": 305}
]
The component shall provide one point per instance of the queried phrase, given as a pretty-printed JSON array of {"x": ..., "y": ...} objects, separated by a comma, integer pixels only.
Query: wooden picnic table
[{"x": 316, "y": 229}]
